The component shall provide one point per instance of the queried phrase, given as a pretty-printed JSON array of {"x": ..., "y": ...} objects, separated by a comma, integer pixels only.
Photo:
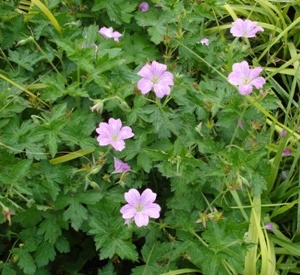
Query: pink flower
[
  {"x": 120, "y": 166},
  {"x": 140, "y": 207},
  {"x": 245, "y": 78},
  {"x": 286, "y": 152},
  {"x": 112, "y": 133},
  {"x": 240, "y": 124},
  {"x": 283, "y": 133},
  {"x": 144, "y": 7},
  {"x": 109, "y": 33},
  {"x": 155, "y": 77},
  {"x": 204, "y": 41},
  {"x": 247, "y": 28},
  {"x": 269, "y": 226}
]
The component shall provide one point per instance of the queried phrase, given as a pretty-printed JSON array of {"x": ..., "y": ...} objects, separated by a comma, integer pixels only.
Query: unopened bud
[
  {"x": 24, "y": 41},
  {"x": 98, "y": 107}
]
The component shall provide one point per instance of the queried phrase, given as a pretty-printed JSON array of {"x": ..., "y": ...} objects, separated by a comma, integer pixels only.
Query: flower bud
[
  {"x": 144, "y": 7},
  {"x": 98, "y": 107}
]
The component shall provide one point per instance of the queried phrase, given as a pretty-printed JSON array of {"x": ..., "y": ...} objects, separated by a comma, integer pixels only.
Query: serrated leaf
[
  {"x": 7, "y": 269},
  {"x": 25, "y": 261},
  {"x": 29, "y": 218},
  {"x": 144, "y": 161},
  {"x": 62, "y": 245},
  {"x": 160, "y": 124},
  {"x": 157, "y": 33},
  {"x": 124, "y": 249},
  {"x": 25, "y": 59},
  {"x": 20, "y": 170},
  {"x": 51, "y": 227},
  {"x": 75, "y": 213},
  {"x": 44, "y": 254}
]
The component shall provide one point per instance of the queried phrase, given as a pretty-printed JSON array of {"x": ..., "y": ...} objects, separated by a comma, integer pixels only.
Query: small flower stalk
[
  {"x": 245, "y": 28},
  {"x": 140, "y": 207}
]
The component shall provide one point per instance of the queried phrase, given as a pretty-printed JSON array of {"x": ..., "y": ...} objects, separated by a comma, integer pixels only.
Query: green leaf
[
  {"x": 76, "y": 213},
  {"x": 20, "y": 137},
  {"x": 144, "y": 161},
  {"x": 20, "y": 170},
  {"x": 124, "y": 249},
  {"x": 52, "y": 176},
  {"x": 7, "y": 269},
  {"x": 52, "y": 227},
  {"x": 118, "y": 12},
  {"x": 25, "y": 59},
  {"x": 62, "y": 245},
  {"x": 28, "y": 218},
  {"x": 25, "y": 260},
  {"x": 44, "y": 254},
  {"x": 160, "y": 122}
]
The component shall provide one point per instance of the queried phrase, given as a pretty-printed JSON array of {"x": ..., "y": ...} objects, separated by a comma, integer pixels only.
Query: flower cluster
[
  {"x": 154, "y": 76},
  {"x": 242, "y": 76}
]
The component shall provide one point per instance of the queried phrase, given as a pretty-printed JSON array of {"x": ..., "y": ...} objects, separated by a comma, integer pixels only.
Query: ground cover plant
[{"x": 158, "y": 137}]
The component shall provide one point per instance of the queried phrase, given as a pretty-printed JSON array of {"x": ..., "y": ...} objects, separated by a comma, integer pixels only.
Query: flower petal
[
  {"x": 141, "y": 219},
  {"x": 158, "y": 69},
  {"x": 145, "y": 72},
  {"x": 126, "y": 132},
  {"x": 115, "y": 125},
  {"x": 147, "y": 197},
  {"x": 245, "y": 89},
  {"x": 118, "y": 145},
  {"x": 255, "y": 72},
  {"x": 234, "y": 78},
  {"x": 132, "y": 197},
  {"x": 128, "y": 211},
  {"x": 166, "y": 79},
  {"x": 145, "y": 85},
  {"x": 161, "y": 90},
  {"x": 103, "y": 141},
  {"x": 152, "y": 210},
  {"x": 258, "y": 82}
]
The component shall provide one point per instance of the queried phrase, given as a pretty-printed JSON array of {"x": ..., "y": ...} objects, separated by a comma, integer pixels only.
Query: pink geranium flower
[
  {"x": 120, "y": 166},
  {"x": 144, "y": 7},
  {"x": 287, "y": 152},
  {"x": 155, "y": 77},
  {"x": 109, "y": 33},
  {"x": 112, "y": 133},
  {"x": 245, "y": 28},
  {"x": 205, "y": 41},
  {"x": 140, "y": 207},
  {"x": 245, "y": 78}
]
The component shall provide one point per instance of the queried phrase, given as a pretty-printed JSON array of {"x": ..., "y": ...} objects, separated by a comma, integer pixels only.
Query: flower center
[
  {"x": 139, "y": 207},
  {"x": 246, "y": 81},
  {"x": 114, "y": 137},
  {"x": 154, "y": 79},
  {"x": 245, "y": 33}
]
